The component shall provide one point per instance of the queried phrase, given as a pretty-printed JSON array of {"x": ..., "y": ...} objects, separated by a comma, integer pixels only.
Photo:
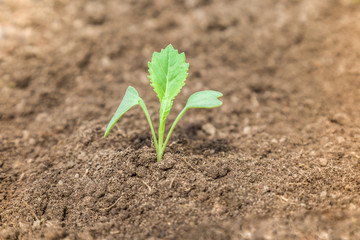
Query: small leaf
[
  {"x": 204, "y": 99},
  {"x": 130, "y": 99},
  {"x": 168, "y": 72}
]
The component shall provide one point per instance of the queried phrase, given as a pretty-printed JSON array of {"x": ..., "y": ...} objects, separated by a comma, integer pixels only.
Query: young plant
[{"x": 168, "y": 72}]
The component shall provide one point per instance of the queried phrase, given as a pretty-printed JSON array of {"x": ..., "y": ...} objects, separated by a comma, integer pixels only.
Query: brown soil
[{"x": 279, "y": 160}]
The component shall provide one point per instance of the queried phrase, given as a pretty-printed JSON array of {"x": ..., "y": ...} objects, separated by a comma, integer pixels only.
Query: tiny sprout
[{"x": 168, "y": 72}]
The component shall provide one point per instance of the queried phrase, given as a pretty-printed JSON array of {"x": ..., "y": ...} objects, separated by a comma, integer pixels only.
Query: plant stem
[
  {"x": 170, "y": 131},
  {"x": 160, "y": 145},
  {"x": 143, "y": 106},
  {"x": 161, "y": 138}
]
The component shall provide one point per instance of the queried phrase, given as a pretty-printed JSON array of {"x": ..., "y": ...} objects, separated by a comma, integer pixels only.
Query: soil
[{"x": 279, "y": 160}]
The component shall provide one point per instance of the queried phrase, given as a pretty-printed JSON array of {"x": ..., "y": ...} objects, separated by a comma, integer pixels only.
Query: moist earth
[{"x": 279, "y": 160}]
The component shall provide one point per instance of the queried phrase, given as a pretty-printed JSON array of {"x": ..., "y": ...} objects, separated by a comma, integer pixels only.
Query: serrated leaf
[
  {"x": 204, "y": 99},
  {"x": 168, "y": 72},
  {"x": 130, "y": 99}
]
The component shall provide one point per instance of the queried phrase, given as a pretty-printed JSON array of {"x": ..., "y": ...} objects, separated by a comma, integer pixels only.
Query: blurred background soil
[{"x": 279, "y": 160}]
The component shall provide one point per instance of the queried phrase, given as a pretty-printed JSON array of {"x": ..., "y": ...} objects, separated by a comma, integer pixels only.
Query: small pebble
[
  {"x": 209, "y": 129},
  {"x": 105, "y": 62},
  {"x": 247, "y": 130},
  {"x": 36, "y": 224},
  {"x": 21, "y": 106},
  {"x": 352, "y": 207},
  {"x": 340, "y": 140},
  {"x": 348, "y": 187},
  {"x": 234, "y": 99},
  {"x": 30, "y": 160},
  {"x": 41, "y": 117},
  {"x": 70, "y": 164},
  {"x": 323, "y": 194},
  {"x": 266, "y": 189},
  {"x": 166, "y": 164},
  {"x": 216, "y": 172},
  {"x": 17, "y": 142},
  {"x": 32, "y": 141},
  {"x": 341, "y": 118},
  {"x": 25, "y": 134},
  {"x": 82, "y": 156},
  {"x": 323, "y": 161}
]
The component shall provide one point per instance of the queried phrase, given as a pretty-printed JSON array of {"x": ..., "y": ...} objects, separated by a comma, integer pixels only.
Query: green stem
[
  {"x": 170, "y": 131},
  {"x": 161, "y": 138},
  {"x": 143, "y": 106}
]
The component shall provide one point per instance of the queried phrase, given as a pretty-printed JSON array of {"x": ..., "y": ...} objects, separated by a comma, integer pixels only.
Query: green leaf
[
  {"x": 168, "y": 72},
  {"x": 130, "y": 99},
  {"x": 204, "y": 99}
]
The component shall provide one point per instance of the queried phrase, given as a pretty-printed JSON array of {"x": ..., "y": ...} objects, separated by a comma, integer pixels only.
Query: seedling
[{"x": 168, "y": 72}]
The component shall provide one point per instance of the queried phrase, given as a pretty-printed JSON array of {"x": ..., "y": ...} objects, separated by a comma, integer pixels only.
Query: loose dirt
[{"x": 279, "y": 160}]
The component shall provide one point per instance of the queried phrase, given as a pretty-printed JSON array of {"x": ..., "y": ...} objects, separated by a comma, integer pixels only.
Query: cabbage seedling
[{"x": 168, "y": 72}]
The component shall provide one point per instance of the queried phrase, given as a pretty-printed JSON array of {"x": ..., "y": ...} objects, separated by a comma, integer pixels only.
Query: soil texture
[{"x": 279, "y": 160}]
